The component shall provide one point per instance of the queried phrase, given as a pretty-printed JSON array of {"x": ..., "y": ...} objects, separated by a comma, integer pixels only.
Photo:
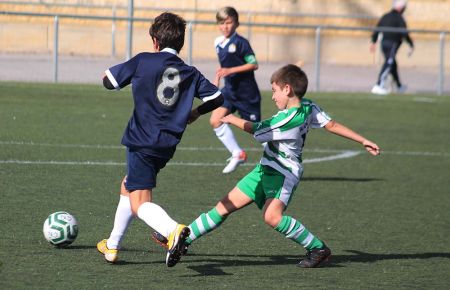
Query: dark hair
[
  {"x": 291, "y": 75},
  {"x": 226, "y": 12},
  {"x": 168, "y": 29}
]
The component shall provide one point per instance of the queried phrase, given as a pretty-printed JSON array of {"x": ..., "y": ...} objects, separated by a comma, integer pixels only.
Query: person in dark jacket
[{"x": 390, "y": 44}]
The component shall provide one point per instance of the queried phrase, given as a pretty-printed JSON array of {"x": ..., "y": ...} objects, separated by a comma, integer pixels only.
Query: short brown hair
[
  {"x": 291, "y": 75},
  {"x": 168, "y": 29},
  {"x": 226, "y": 12}
]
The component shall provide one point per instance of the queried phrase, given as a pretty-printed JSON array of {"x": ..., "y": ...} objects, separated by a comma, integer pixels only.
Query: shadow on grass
[
  {"x": 78, "y": 247},
  {"x": 352, "y": 179},
  {"x": 214, "y": 265}
]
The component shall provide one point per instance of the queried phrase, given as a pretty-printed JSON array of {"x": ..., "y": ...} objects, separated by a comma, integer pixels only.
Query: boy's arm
[
  {"x": 341, "y": 130},
  {"x": 204, "y": 108},
  {"x": 216, "y": 81},
  {"x": 225, "y": 71},
  {"x": 238, "y": 122}
]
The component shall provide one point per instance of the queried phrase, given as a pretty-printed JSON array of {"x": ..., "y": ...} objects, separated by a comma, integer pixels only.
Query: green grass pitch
[{"x": 386, "y": 218}]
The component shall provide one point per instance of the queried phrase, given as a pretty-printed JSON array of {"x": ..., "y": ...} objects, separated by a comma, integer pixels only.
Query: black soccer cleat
[{"x": 315, "y": 257}]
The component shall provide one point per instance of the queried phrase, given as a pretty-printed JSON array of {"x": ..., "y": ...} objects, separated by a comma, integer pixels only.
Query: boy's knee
[
  {"x": 215, "y": 122},
  {"x": 272, "y": 219},
  {"x": 123, "y": 190},
  {"x": 134, "y": 209}
]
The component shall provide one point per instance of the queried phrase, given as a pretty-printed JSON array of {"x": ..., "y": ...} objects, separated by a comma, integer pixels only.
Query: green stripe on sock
[
  {"x": 195, "y": 229},
  {"x": 215, "y": 216},
  {"x": 283, "y": 227},
  {"x": 315, "y": 244},
  {"x": 205, "y": 223},
  {"x": 203, "y": 219}
]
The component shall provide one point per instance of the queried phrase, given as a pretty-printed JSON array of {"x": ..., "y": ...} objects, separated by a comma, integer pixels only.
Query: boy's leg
[
  {"x": 226, "y": 136},
  {"x": 317, "y": 251},
  {"x": 158, "y": 219},
  {"x": 279, "y": 189},
  {"x": 151, "y": 213},
  {"x": 122, "y": 220},
  {"x": 209, "y": 221},
  {"x": 297, "y": 232},
  {"x": 290, "y": 227}
]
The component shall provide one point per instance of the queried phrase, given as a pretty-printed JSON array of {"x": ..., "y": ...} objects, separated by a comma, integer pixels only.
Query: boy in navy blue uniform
[
  {"x": 163, "y": 89},
  {"x": 241, "y": 93}
]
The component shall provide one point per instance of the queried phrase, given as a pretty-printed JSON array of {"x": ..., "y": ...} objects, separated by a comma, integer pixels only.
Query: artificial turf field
[{"x": 386, "y": 218}]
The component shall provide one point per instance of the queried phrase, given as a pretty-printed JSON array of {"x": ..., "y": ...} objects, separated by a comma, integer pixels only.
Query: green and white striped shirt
[{"x": 285, "y": 135}]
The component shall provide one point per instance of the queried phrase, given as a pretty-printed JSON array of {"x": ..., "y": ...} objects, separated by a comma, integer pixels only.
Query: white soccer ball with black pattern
[{"x": 60, "y": 229}]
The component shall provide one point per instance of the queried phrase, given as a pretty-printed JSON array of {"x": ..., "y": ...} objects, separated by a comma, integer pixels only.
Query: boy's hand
[
  {"x": 223, "y": 72},
  {"x": 371, "y": 147},
  {"x": 216, "y": 81},
  {"x": 238, "y": 122},
  {"x": 228, "y": 119}
]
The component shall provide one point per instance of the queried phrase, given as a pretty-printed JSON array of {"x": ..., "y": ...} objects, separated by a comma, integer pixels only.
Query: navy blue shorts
[
  {"x": 249, "y": 112},
  {"x": 142, "y": 170}
]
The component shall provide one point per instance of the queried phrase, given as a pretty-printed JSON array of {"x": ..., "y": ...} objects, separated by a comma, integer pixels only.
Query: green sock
[
  {"x": 205, "y": 223},
  {"x": 297, "y": 232}
]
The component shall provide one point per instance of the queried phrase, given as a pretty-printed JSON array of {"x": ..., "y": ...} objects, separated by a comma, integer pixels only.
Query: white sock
[
  {"x": 157, "y": 218},
  {"x": 121, "y": 222},
  {"x": 226, "y": 136}
]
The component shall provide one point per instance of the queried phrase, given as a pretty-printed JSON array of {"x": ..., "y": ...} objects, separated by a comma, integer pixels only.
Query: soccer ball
[{"x": 60, "y": 229}]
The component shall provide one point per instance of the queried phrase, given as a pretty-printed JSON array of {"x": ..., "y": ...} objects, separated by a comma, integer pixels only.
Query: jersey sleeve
[
  {"x": 120, "y": 75},
  {"x": 271, "y": 129},
  {"x": 318, "y": 117},
  {"x": 247, "y": 53},
  {"x": 206, "y": 90}
]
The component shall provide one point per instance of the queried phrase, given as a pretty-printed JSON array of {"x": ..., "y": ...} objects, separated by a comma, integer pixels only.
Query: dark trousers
[{"x": 389, "y": 49}]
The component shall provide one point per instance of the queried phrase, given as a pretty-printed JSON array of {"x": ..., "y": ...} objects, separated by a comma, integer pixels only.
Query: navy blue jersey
[
  {"x": 239, "y": 88},
  {"x": 163, "y": 88}
]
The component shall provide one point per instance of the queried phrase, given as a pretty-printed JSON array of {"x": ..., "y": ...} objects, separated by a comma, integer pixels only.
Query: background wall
[{"x": 19, "y": 34}]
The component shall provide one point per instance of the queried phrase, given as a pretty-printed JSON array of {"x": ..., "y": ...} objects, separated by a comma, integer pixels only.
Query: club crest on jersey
[
  {"x": 168, "y": 89},
  {"x": 232, "y": 48}
]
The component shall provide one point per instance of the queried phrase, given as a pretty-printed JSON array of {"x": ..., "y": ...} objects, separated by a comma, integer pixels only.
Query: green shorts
[{"x": 264, "y": 182}]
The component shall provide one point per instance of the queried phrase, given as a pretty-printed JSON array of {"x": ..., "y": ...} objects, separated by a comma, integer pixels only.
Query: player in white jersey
[{"x": 271, "y": 184}]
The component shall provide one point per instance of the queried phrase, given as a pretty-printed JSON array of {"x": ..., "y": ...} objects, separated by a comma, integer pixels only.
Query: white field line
[
  {"x": 181, "y": 148},
  {"x": 346, "y": 154}
]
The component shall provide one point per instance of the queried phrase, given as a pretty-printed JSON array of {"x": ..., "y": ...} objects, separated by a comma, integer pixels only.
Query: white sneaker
[
  {"x": 234, "y": 161},
  {"x": 402, "y": 89},
  {"x": 378, "y": 90}
]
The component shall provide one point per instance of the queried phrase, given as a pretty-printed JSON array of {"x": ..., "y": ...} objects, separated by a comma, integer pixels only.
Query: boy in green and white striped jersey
[{"x": 272, "y": 182}]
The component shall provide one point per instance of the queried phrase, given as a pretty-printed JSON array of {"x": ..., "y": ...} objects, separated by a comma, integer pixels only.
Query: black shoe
[
  {"x": 162, "y": 241},
  {"x": 315, "y": 257}
]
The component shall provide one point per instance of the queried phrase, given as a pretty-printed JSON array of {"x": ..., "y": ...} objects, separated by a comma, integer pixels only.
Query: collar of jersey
[
  {"x": 169, "y": 50},
  {"x": 224, "y": 41}
]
